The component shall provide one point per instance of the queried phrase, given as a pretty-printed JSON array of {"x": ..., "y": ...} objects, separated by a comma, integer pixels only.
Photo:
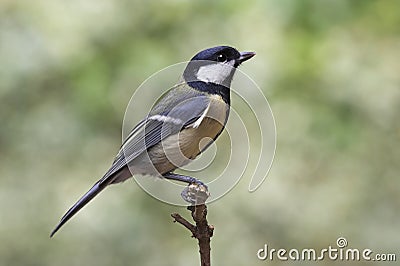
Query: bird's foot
[{"x": 196, "y": 193}]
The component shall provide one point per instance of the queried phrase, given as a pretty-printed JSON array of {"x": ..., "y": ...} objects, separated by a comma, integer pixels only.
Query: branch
[{"x": 202, "y": 231}]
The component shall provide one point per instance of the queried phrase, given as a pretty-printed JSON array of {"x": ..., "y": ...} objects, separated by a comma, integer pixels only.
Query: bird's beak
[{"x": 244, "y": 56}]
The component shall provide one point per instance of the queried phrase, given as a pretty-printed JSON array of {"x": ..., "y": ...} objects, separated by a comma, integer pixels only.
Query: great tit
[{"x": 170, "y": 135}]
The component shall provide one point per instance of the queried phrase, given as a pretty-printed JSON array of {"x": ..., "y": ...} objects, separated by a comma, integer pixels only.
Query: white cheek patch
[{"x": 215, "y": 73}]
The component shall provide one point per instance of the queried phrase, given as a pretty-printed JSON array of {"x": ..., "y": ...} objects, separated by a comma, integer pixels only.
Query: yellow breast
[{"x": 180, "y": 149}]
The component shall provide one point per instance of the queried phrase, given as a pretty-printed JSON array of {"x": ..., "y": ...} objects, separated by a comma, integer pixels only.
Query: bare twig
[{"x": 202, "y": 231}]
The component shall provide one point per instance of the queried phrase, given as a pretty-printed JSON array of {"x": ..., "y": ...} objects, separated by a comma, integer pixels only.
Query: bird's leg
[{"x": 195, "y": 193}]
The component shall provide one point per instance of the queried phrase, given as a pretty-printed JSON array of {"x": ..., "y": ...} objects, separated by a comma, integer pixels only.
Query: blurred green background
[{"x": 330, "y": 70}]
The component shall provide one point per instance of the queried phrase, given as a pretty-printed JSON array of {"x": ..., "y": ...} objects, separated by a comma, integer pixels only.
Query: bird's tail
[{"x": 96, "y": 189}]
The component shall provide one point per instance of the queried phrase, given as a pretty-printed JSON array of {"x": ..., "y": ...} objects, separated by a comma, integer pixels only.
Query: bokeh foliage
[{"x": 330, "y": 70}]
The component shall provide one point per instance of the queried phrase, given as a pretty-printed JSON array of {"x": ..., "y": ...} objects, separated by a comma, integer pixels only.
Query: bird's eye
[{"x": 221, "y": 58}]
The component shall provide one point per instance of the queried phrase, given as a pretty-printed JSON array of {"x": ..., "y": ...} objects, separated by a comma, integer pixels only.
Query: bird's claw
[{"x": 196, "y": 193}]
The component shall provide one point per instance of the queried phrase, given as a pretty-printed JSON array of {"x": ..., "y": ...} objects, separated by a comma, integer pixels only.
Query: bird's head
[{"x": 215, "y": 65}]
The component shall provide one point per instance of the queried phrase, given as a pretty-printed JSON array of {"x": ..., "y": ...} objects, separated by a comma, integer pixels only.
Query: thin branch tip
[{"x": 202, "y": 231}]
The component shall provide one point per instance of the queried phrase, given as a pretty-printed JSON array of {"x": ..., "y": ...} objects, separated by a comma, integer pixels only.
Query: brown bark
[{"x": 202, "y": 231}]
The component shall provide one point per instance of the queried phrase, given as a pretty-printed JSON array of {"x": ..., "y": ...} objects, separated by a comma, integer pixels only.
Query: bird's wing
[{"x": 158, "y": 126}]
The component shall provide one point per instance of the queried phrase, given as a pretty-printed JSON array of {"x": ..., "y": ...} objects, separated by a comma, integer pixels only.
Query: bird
[{"x": 169, "y": 137}]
